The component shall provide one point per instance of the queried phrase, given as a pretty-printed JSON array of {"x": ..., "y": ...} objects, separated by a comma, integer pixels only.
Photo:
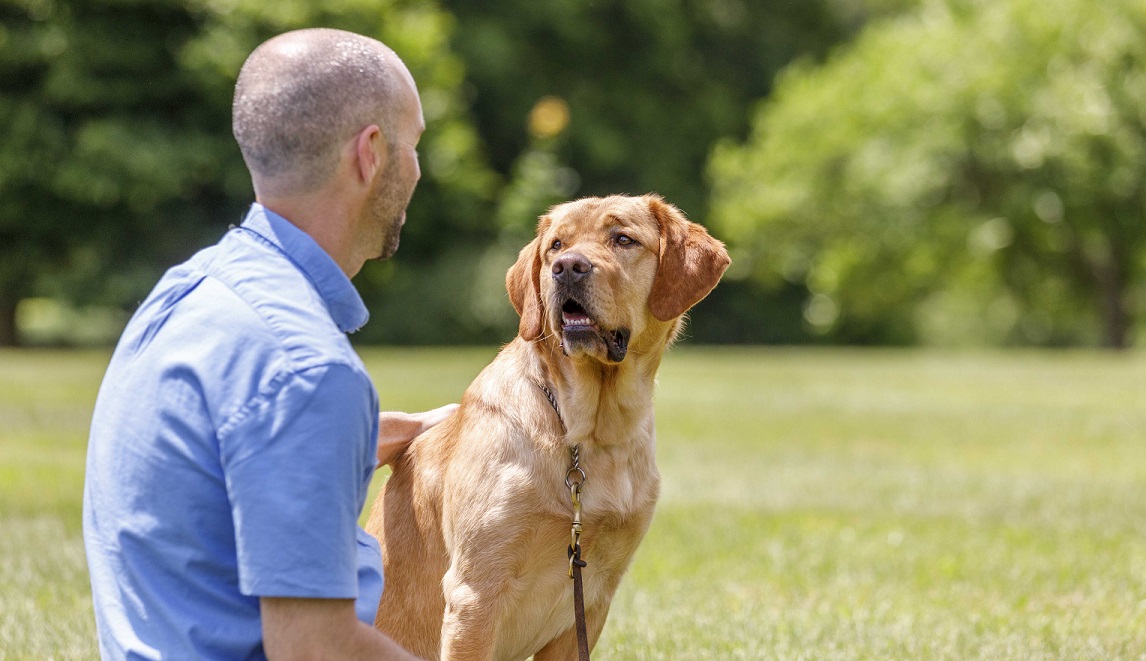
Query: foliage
[
  {"x": 118, "y": 159},
  {"x": 649, "y": 83},
  {"x": 103, "y": 135},
  {"x": 648, "y": 86},
  {"x": 118, "y": 162},
  {"x": 973, "y": 505},
  {"x": 971, "y": 171}
]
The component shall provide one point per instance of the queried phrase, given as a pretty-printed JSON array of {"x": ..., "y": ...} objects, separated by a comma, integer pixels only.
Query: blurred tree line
[
  {"x": 970, "y": 172},
  {"x": 925, "y": 170}
]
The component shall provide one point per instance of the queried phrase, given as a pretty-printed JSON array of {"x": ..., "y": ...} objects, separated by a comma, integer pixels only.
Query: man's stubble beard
[{"x": 388, "y": 207}]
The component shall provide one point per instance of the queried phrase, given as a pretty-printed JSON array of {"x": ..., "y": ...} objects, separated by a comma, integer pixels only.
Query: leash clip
[
  {"x": 575, "y": 532},
  {"x": 575, "y": 478}
]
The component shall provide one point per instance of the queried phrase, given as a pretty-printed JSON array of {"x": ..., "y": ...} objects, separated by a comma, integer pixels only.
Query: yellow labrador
[{"x": 475, "y": 521}]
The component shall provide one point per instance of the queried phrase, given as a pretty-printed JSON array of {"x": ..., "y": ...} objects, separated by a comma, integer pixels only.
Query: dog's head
[{"x": 602, "y": 272}]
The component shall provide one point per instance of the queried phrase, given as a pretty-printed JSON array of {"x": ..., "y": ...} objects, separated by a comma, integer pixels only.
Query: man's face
[{"x": 394, "y": 186}]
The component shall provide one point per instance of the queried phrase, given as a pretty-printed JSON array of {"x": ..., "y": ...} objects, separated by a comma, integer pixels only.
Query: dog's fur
[{"x": 474, "y": 523}]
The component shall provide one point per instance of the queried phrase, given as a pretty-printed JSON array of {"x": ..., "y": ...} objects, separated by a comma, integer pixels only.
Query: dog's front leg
[
  {"x": 469, "y": 629},
  {"x": 492, "y": 522},
  {"x": 480, "y": 586}
]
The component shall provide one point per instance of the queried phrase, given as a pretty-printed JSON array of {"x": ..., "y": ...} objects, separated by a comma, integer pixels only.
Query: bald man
[{"x": 236, "y": 430}]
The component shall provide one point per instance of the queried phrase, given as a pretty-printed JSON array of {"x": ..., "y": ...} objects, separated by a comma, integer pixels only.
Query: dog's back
[{"x": 413, "y": 549}]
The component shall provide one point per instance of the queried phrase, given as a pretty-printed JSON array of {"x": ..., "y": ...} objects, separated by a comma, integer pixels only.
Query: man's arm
[
  {"x": 308, "y": 629},
  {"x": 396, "y": 429}
]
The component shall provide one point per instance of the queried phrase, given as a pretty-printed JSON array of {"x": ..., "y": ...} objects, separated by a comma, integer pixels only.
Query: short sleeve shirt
[{"x": 231, "y": 449}]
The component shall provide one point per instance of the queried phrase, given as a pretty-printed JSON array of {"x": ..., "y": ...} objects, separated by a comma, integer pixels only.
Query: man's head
[{"x": 308, "y": 100}]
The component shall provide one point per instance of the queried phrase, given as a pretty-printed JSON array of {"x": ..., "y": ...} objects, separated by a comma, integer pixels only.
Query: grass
[{"x": 826, "y": 504}]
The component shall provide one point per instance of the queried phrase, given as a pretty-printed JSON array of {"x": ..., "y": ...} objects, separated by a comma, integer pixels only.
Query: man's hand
[{"x": 396, "y": 429}]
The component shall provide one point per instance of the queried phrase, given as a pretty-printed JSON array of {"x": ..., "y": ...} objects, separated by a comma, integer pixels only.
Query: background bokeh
[{"x": 938, "y": 172}]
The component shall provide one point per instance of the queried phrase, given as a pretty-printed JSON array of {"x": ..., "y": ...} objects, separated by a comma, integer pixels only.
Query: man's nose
[{"x": 571, "y": 268}]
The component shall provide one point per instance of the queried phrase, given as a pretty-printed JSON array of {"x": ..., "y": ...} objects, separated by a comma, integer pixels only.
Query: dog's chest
[
  {"x": 544, "y": 610},
  {"x": 616, "y": 508},
  {"x": 615, "y": 513},
  {"x": 621, "y": 480},
  {"x": 610, "y": 500}
]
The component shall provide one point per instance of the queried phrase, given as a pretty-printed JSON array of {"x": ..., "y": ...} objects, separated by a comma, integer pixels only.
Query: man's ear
[
  {"x": 370, "y": 152},
  {"x": 691, "y": 262},
  {"x": 523, "y": 281}
]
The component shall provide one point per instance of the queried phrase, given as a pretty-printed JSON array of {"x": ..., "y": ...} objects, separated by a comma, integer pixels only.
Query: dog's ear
[
  {"x": 691, "y": 262},
  {"x": 523, "y": 281}
]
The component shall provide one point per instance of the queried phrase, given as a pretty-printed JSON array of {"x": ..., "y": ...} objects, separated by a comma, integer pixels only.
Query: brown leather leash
[
  {"x": 575, "y": 562},
  {"x": 575, "y": 478}
]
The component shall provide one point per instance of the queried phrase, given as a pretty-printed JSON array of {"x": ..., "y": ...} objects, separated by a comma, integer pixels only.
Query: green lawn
[{"x": 817, "y": 504}]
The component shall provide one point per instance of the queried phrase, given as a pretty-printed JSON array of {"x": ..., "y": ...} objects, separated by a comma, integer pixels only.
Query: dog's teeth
[{"x": 577, "y": 321}]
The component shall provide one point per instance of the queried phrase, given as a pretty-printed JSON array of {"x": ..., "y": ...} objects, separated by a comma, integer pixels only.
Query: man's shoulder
[
  {"x": 264, "y": 297},
  {"x": 234, "y": 328}
]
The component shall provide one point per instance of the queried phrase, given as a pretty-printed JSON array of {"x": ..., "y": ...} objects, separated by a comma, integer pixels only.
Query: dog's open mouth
[
  {"x": 574, "y": 317},
  {"x": 578, "y": 327}
]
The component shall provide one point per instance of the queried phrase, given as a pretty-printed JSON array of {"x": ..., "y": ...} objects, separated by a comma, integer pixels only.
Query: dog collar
[{"x": 552, "y": 402}]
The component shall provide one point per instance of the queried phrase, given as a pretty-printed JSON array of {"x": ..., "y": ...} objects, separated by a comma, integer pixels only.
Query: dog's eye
[
  {"x": 556, "y": 245},
  {"x": 625, "y": 240}
]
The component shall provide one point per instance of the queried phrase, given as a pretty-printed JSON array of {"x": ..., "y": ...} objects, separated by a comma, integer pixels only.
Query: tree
[
  {"x": 118, "y": 161},
  {"x": 118, "y": 158},
  {"x": 973, "y": 170},
  {"x": 102, "y": 133}
]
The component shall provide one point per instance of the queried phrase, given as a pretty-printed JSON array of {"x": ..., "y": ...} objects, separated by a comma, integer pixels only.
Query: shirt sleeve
[{"x": 295, "y": 466}]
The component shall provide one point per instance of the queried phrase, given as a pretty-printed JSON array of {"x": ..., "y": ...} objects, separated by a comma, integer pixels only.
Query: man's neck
[{"x": 326, "y": 220}]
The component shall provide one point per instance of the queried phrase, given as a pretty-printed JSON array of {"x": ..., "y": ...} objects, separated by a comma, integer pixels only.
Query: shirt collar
[{"x": 341, "y": 298}]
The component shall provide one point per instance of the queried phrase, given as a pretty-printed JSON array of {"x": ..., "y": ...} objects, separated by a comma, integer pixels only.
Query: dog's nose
[{"x": 571, "y": 267}]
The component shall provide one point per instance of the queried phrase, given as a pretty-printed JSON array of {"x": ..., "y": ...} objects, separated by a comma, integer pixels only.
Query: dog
[{"x": 475, "y": 520}]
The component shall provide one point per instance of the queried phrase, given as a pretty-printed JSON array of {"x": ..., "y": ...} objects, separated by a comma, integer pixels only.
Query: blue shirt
[{"x": 232, "y": 445}]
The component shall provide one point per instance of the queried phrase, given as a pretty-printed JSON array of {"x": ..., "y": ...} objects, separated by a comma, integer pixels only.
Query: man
[{"x": 236, "y": 430}]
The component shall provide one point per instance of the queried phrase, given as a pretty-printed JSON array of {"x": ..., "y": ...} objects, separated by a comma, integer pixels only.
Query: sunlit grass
[
  {"x": 823, "y": 504},
  {"x": 46, "y": 399},
  {"x": 848, "y": 504}
]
